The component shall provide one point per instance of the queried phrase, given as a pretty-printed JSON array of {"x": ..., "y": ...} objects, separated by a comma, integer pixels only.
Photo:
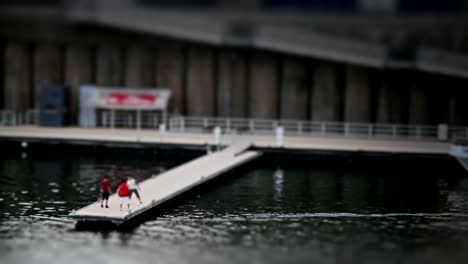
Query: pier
[
  {"x": 192, "y": 140},
  {"x": 236, "y": 146},
  {"x": 170, "y": 184}
]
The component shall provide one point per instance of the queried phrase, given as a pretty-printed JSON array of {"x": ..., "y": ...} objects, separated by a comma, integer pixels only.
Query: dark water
[{"x": 307, "y": 211}]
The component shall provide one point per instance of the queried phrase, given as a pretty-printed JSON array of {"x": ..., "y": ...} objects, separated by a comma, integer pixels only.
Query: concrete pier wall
[
  {"x": 295, "y": 88},
  {"x": 200, "y": 81},
  {"x": 18, "y": 93},
  {"x": 229, "y": 84},
  {"x": 325, "y": 95},
  {"x": 206, "y": 81},
  {"x": 263, "y": 86},
  {"x": 38, "y": 48},
  {"x": 48, "y": 68},
  {"x": 223, "y": 81}
]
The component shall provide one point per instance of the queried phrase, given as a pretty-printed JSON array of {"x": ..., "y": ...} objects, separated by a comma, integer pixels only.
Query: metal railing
[
  {"x": 11, "y": 118},
  {"x": 154, "y": 120},
  {"x": 130, "y": 119},
  {"x": 313, "y": 128}
]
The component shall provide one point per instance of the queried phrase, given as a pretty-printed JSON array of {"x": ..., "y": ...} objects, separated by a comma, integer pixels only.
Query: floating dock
[{"x": 170, "y": 184}]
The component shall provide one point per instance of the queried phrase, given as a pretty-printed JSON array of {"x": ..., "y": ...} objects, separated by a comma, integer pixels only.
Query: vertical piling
[
  {"x": 48, "y": 68},
  {"x": 263, "y": 95},
  {"x": 169, "y": 74},
  {"x": 357, "y": 95},
  {"x": 78, "y": 67},
  {"x": 200, "y": 81},
  {"x": 18, "y": 92},
  {"x": 294, "y": 90},
  {"x": 109, "y": 65},
  {"x": 325, "y": 95}
]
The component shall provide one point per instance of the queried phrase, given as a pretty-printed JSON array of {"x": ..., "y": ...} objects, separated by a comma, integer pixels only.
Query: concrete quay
[{"x": 110, "y": 137}]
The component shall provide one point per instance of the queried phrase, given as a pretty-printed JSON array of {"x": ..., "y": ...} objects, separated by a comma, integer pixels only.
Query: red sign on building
[{"x": 125, "y": 99}]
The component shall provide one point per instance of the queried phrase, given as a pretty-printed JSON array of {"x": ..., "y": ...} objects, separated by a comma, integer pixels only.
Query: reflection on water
[
  {"x": 278, "y": 179},
  {"x": 330, "y": 211}
]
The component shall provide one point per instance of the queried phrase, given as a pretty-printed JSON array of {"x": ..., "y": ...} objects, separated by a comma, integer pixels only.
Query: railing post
[
  {"x": 138, "y": 121},
  {"x": 442, "y": 132},
  {"x": 26, "y": 118},
  {"x": 369, "y": 131},
  {"x": 162, "y": 128},
  {"x": 217, "y": 136},
  {"x": 129, "y": 120},
  {"x": 418, "y": 132},
  {"x": 182, "y": 124},
  {"x": 205, "y": 122},
  {"x": 104, "y": 118},
  {"x": 155, "y": 121},
  {"x": 112, "y": 118},
  {"x": 251, "y": 126},
  {"x": 299, "y": 128},
  {"x": 279, "y": 131},
  {"x": 346, "y": 129},
  {"x": 393, "y": 131},
  {"x": 5, "y": 116},
  {"x": 228, "y": 125},
  {"x": 36, "y": 117},
  {"x": 8, "y": 119},
  {"x": 323, "y": 129}
]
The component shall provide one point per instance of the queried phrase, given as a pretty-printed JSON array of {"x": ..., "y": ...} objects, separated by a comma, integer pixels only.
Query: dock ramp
[{"x": 170, "y": 184}]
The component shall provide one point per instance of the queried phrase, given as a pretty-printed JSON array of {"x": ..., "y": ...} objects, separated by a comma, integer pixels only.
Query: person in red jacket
[
  {"x": 124, "y": 194},
  {"x": 105, "y": 190}
]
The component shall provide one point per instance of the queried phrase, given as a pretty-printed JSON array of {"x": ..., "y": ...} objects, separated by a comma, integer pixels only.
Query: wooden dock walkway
[{"x": 170, "y": 184}]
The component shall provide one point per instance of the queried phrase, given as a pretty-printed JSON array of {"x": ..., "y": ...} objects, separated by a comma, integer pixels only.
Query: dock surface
[
  {"x": 105, "y": 136},
  {"x": 170, "y": 184}
]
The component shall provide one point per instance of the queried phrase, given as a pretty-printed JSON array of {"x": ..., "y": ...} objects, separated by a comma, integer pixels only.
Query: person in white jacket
[{"x": 133, "y": 186}]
